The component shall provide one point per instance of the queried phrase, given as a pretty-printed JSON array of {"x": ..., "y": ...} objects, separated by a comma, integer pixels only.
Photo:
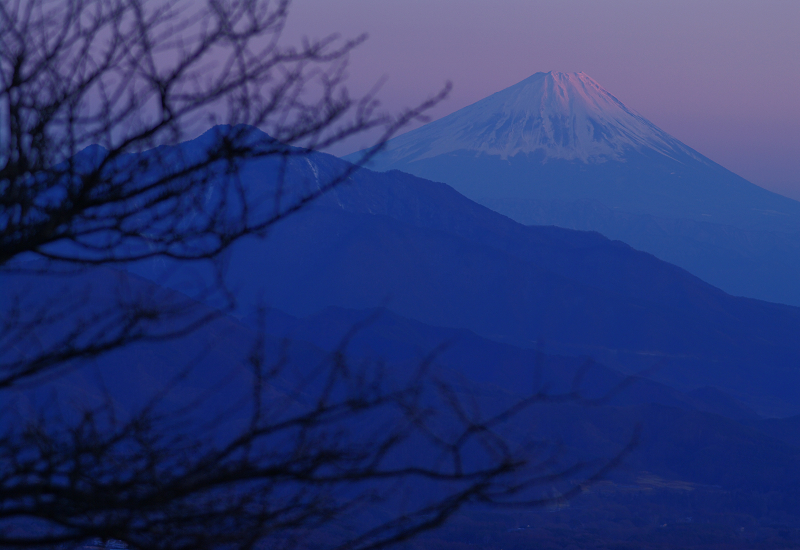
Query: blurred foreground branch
[{"x": 96, "y": 97}]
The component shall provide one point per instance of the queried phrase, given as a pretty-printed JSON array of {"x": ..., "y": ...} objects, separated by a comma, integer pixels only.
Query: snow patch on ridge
[{"x": 563, "y": 115}]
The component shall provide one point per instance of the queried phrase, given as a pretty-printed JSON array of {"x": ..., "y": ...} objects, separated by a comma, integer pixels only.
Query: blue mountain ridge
[
  {"x": 688, "y": 439},
  {"x": 430, "y": 254},
  {"x": 576, "y": 144},
  {"x": 451, "y": 270}
]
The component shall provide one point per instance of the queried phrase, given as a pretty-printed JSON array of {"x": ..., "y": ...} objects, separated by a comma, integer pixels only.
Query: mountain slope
[
  {"x": 557, "y": 115},
  {"x": 432, "y": 255},
  {"x": 541, "y": 149},
  {"x": 762, "y": 264},
  {"x": 675, "y": 450},
  {"x": 557, "y": 136},
  {"x": 384, "y": 336}
]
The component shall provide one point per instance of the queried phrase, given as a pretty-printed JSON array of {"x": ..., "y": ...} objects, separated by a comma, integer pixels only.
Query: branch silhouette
[{"x": 96, "y": 98}]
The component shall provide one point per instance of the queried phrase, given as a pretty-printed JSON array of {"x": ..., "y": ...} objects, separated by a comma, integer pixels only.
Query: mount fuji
[
  {"x": 559, "y": 149},
  {"x": 562, "y": 116}
]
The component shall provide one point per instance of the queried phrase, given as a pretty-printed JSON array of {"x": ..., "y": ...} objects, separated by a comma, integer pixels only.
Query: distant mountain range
[
  {"x": 558, "y": 149},
  {"x": 703, "y": 454},
  {"x": 504, "y": 310},
  {"x": 430, "y": 254}
]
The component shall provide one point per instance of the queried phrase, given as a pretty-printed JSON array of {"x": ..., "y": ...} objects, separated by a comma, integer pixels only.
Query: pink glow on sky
[{"x": 720, "y": 75}]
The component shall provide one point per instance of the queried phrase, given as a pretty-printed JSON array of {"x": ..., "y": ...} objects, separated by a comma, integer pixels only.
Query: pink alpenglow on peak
[
  {"x": 558, "y": 149},
  {"x": 563, "y": 115}
]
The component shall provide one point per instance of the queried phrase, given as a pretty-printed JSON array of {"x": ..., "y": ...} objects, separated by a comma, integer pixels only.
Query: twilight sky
[{"x": 720, "y": 75}]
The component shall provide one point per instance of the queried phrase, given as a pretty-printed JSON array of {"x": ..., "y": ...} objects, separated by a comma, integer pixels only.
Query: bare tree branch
[{"x": 96, "y": 98}]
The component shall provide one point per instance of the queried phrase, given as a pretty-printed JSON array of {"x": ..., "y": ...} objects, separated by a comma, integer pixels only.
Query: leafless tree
[
  {"x": 95, "y": 98},
  {"x": 92, "y": 91}
]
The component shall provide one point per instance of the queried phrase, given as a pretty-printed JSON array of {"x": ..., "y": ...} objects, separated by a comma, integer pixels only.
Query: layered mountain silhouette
[
  {"x": 428, "y": 253},
  {"x": 504, "y": 309},
  {"x": 695, "y": 447},
  {"x": 558, "y": 149}
]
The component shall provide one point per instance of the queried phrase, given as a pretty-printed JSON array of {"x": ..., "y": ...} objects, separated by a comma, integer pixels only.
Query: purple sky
[{"x": 722, "y": 76}]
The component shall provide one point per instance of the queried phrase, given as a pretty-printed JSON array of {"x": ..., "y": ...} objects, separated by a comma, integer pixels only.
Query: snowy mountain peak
[{"x": 562, "y": 115}]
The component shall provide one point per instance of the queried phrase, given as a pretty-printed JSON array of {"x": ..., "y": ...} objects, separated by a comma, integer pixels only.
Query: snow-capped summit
[
  {"x": 560, "y": 138},
  {"x": 558, "y": 149},
  {"x": 562, "y": 115}
]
